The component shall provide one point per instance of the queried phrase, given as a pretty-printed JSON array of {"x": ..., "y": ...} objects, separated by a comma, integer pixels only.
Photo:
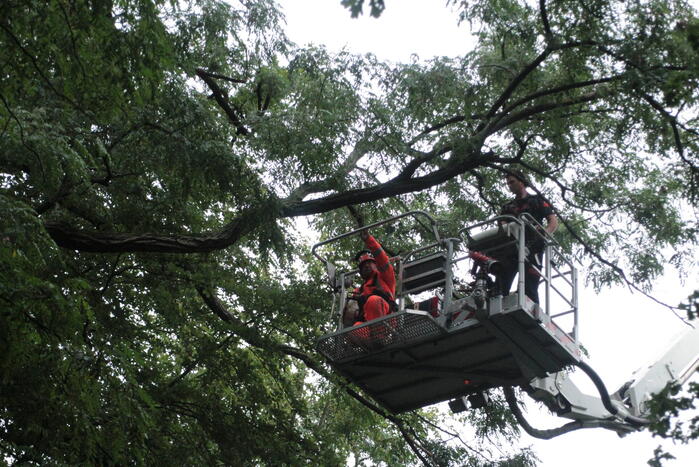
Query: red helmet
[{"x": 364, "y": 256}]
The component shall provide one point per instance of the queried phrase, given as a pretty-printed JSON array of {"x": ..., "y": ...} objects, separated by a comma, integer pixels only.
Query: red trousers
[{"x": 375, "y": 307}]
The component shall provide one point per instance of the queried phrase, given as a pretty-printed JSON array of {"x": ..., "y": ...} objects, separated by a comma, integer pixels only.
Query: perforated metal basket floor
[
  {"x": 398, "y": 329},
  {"x": 407, "y": 360}
]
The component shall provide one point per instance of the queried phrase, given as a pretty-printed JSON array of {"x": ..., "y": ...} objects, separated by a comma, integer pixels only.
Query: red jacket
[{"x": 385, "y": 279}]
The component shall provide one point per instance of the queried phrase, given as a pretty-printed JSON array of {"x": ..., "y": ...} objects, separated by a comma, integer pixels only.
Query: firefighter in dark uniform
[{"x": 540, "y": 210}]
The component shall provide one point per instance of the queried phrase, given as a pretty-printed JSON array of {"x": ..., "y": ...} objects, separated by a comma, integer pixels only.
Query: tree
[{"x": 153, "y": 154}]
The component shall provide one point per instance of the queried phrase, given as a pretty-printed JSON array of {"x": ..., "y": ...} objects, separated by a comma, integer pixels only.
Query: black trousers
[{"x": 531, "y": 275}]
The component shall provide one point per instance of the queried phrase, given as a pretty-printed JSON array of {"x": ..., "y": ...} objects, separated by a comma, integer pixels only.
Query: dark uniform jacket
[{"x": 537, "y": 207}]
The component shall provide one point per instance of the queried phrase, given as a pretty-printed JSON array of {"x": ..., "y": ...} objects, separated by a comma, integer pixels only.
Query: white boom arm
[
  {"x": 676, "y": 365},
  {"x": 628, "y": 404}
]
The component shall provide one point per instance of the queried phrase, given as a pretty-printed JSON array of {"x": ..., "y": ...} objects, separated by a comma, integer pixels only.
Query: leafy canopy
[{"x": 157, "y": 302}]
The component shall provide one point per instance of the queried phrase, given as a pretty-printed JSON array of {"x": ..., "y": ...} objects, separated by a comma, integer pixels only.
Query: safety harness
[{"x": 379, "y": 292}]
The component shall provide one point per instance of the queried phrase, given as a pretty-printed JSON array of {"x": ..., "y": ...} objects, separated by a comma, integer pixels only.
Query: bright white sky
[{"x": 622, "y": 332}]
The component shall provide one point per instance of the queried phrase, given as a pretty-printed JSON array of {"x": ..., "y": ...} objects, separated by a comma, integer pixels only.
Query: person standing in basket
[{"x": 540, "y": 210}]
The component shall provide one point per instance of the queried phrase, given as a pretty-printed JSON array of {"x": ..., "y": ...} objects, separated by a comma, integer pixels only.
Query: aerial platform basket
[
  {"x": 409, "y": 360},
  {"x": 474, "y": 338}
]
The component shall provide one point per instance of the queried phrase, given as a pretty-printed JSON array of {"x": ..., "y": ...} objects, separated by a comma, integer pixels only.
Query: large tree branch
[
  {"x": 541, "y": 108},
  {"x": 115, "y": 242},
  {"x": 222, "y": 101},
  {"x": 558, "y": 90},
  {"x": 521, "y": 76},
  {"x": 223, "y": 77},
  {"x": 461, "y": 161},
  {"x": 517, "y": 80},
  {"x": 438, "y": 126},
  {"x": 517, "y": 103},
  {"x": 412, "y": 166},
  {"x": 510, "y": 89},
  {"x": 359, "y": 151},
  {"x": 464, "y": 158},
  {"x": 545, "y": 20}
]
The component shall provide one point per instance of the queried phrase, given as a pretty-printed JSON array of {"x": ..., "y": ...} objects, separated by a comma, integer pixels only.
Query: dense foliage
[{"x": 157, "y": 302}]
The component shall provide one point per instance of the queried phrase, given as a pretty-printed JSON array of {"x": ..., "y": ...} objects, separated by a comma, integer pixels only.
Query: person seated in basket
[{"x": 376, "y": 296}]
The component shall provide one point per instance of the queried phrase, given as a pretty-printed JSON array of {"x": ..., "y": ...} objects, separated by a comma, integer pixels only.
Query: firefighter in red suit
[{"x": 377, "y": 294}]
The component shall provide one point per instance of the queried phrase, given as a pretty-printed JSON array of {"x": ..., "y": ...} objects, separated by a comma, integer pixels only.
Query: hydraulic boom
[{"x": 624, "y": 410}]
